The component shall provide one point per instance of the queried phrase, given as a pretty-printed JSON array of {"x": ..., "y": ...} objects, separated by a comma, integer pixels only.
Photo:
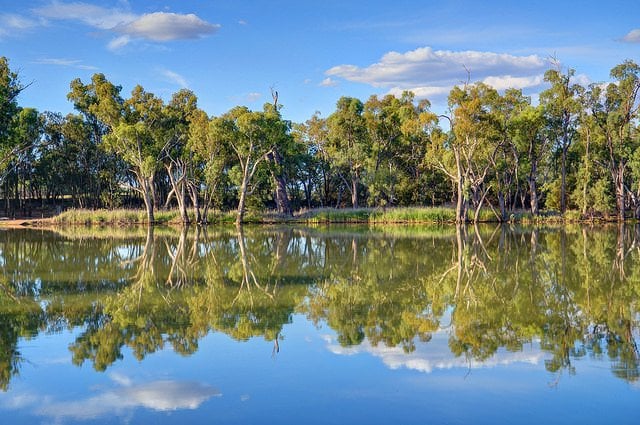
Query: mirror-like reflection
[{"x": 487, "y": 290}]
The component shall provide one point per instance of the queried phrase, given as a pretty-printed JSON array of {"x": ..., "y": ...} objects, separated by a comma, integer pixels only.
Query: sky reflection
[
  {"x": 435, "y": 355},
  {"x": 120, "y": 400}
]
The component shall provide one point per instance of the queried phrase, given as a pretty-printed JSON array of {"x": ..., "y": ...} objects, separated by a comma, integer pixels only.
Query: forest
[{"x": 574, "y": 149}]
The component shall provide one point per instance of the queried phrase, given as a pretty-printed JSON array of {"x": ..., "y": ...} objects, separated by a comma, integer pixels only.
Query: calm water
[{"x": 324, "y": 325}]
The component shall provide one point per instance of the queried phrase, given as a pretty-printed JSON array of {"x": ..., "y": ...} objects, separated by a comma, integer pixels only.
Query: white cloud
[
  {"x": 425, "y": 92},
  {"x": 118, "y": 42},
  {"x": 70, "y": 63},
  {"x": 328, "y": 82},
  {"x": 157, "y": 26},
  {"x": 507, "y": 81},
  {"x": 253, "y": 96},
  {"x": 159, "y": 396},
  {"x": 175, "y": 78},
  {"x": 89, "y": 14},
  {"x": 633, "y": 36},
  {"x": 431, "y": 71},
  {"x": 161, "y": 26},
  {"x": 10, "y": 24},
  {"x": 436, "y": 355},
  {"x": 582, "y": 79},
  {"x": 242, "y": 22}
]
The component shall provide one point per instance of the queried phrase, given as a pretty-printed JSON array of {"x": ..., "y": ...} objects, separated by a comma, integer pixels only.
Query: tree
[
  {"x": 179, "y": 164},
  {"x": 247, "y": 135},
  {"x": 10, "y": 88},
  {"x": 527, "y": 129},
  {"x": 314, "y": 135},
  {"x": 24, "y": 139},
  {"x": 349, "y": 145},
  {"x": 101, "y": 106},
  {"x": 562, "y": 106},
  {"x": 466, "y": 153},
  {"x": 615, "y": 110},
  {"x": 395, "y": 129},
  {"x": 281, "y": 129},
  {"x": 137, "y": 137},
  {"x": 211, "y": 157}
]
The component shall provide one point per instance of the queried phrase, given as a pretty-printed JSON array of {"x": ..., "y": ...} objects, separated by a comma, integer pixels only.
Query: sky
[{"x": 234, "y": 52}]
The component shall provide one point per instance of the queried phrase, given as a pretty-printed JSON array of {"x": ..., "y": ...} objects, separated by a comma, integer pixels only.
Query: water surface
[{"x": 320, "y": 325}]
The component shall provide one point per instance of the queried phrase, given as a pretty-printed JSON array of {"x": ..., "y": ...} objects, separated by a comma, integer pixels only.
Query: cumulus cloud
[
  {"x": 175, "y": 78},
  {"x": 162, "y": 26},
  {"x": 507, "y": 81},
  {"x": 433, "y": 72},
  {"x": 70, "y": 63},
  {"x": 423, "y": 92},
  {"x": 633, "y": 36},
  {"x": 328, "y": 82},
  {"x": 128, "y": 26}
]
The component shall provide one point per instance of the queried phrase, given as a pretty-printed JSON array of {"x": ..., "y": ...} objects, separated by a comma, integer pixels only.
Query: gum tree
[{"x": 615, "y": 110}]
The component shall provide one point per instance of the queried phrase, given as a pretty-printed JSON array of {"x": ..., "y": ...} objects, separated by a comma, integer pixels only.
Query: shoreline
[{"x": 321, "y": 216}]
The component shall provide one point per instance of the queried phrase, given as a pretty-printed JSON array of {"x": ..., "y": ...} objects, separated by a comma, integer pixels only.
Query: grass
[
  {"x": 126, "y": 217},
  {"x": 375, "y": 216}
]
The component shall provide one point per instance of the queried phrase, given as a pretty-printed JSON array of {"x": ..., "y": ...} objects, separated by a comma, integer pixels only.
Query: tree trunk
[
  {"x": 193, "y": 192},
  {"x": 502, "y": 206},
  {"x": 460, "y": 210},
  {"x": 354, "y": 191},
  {"x": 282, "y": 200},
  {"x": 618, "y": 179},
  {"x": 563, "y": 183},
  {"x": 241, "y": 201},
  {"x": 533, "y": 189},
  {"x": 148, "y": 199}
]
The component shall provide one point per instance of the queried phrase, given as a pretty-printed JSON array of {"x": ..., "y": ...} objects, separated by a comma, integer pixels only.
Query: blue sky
[{"x": 232, "y": 52}]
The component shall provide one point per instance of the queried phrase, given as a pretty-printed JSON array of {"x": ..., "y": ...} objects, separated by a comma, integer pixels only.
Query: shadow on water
[{"x": 572, "y": 289}]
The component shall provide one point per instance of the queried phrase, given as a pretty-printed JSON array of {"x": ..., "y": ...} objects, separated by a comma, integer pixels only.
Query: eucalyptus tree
[
  {"x": 593, "y": 193},
  {"x": 281, "y": 129},
  {"x": 397, "y": 137},
  {"x": 506, "y": 161},
  {"x": 314, "y": 136},
  {"x": 615, "y": 111},
  {"x": 527, "y": 129},
  {"x": 25, "y": 138},
  {"x": 349, "y": 146},
  {"x": 178, "y": 160},
  {"x": 136, "y": 137},
  {"x": 100, "y": 104},
  {"x": 465, "y": 154},
  {"x": 246, "y": 133},
  {"x": 10, "y": 88},
  {"x": 562, "y": 107},
  {"x": 211, "y": 156}
]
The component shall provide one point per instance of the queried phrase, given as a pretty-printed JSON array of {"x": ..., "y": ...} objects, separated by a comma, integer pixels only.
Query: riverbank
[{"x": 408, "y": 215}]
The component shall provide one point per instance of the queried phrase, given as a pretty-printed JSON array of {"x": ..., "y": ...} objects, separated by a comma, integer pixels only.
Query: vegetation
[{"x": 492, "y": 156}]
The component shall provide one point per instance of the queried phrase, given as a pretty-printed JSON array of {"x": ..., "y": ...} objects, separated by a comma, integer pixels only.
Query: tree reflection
[
  {"x": 573, "y": 290},
  {"x": 231, "y": 286}
]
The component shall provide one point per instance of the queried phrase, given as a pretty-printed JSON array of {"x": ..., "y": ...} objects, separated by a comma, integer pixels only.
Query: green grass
[{"x": 377, "y": 216}]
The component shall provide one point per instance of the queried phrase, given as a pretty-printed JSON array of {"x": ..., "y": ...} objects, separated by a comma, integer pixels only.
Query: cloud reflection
[
  {"x": 435, "y": 355},
  {"x": 160, "y": 396}
]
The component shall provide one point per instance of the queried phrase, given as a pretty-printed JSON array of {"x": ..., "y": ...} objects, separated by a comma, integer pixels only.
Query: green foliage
[{"x": 495, "y": 153}]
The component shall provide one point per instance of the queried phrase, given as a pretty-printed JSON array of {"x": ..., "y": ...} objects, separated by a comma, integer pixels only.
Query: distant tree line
[{"x": 577, "y": 148}]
